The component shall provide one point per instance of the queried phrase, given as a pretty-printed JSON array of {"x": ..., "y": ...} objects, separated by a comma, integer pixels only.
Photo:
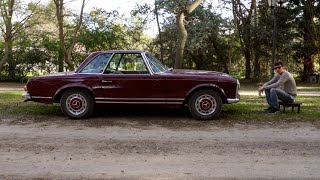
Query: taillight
[{"x": 25, "y": 88}]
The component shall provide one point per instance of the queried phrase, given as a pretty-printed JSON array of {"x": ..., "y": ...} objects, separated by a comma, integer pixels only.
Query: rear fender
[{"x": 62, "y": 89}]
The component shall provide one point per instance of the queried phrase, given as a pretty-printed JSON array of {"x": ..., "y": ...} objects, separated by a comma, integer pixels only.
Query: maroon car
[{"x": 133, "y": 77}]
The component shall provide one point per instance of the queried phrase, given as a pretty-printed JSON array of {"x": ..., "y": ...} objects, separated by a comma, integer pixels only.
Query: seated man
[{"x": 282, "y": 86}]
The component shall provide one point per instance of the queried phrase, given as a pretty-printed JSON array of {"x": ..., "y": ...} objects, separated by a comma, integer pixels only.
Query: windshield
[
  {"x": 156, "y": 65},
  {"x": 98, "y": 64}
]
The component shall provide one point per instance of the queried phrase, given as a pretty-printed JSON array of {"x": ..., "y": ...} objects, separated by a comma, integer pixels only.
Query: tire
[
  {"x": 76, "y": 104},
  {"x": 205, "y": 104}
]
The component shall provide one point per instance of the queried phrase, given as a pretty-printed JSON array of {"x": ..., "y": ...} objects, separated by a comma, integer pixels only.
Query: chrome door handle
[{"x": 104, "y": 81}]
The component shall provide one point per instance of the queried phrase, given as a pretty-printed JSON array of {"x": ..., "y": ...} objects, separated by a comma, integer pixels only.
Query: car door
[{"x": 127, "y": 80}]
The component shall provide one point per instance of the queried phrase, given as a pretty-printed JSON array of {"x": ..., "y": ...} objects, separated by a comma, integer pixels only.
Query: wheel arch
[
  {"x": 59, "y": 93},
  {"x": 213, "y": 87}
]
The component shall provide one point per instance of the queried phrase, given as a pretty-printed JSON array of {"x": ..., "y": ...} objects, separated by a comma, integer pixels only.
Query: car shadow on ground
[
  {"x": 132, "y": 117},
  {"x": 147, "y": 117}
]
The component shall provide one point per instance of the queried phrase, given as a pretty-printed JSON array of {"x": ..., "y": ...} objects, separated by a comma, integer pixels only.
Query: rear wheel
[
  {"x": 205, "y": 104},
  {"x": 77, "y": 104}
]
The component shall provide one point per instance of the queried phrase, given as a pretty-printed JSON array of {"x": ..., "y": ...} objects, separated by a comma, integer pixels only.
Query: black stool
[{"x": 293, "y": 104}]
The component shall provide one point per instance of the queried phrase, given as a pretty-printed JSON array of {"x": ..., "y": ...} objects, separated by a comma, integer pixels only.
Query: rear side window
[
  {"x": 98, "y": 64},
  {"x": 127, "y": 64}
]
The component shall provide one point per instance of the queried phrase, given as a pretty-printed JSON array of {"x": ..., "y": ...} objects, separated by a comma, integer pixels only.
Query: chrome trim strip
[
  {"x": 175, "y": 99},
  {"x": 175, "y": 103},
  {"x": 117, "y": 102},
  {"x": 143, "y": 99},
  {"x": 133, "y": 99},
  {"x": 41, "y": 97}
]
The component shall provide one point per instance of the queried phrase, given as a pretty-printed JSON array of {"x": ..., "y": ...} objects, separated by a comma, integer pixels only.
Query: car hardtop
[
  {"x": 96, "y": 53},
  {"x": 123, "y": 51}
]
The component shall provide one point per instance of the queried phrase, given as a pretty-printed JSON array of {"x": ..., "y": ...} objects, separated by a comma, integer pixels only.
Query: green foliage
[
  {"x": 101, "y": 32},
  {"x": 212, "y": 43}
]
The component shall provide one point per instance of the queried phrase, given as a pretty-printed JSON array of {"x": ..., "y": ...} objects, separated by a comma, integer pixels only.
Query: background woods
[{"x": 233, "y": 36}]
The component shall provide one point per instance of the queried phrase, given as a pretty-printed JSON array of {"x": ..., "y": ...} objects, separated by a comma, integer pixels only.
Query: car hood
[
  {"x": 59, "y": 74},
  {"x": 52, "y": 75}
]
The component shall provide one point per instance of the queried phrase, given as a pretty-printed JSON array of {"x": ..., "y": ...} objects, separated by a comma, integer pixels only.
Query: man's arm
[
  {"x": 282, "y": 79},
  {"x": 272, "y": 81}
]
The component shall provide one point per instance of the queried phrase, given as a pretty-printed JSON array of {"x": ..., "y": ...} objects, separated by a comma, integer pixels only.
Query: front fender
[{"x": 203, "y": 86}]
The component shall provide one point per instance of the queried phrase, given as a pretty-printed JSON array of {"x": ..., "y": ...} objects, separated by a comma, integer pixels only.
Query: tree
[
  {"x": 308, "y": 33},
  {"x": 243, "y": 19},
  {"x": 305, "y": 17},
  {"x": 208, "y": 41},
  {"x": 64, "y": 51},
  {"x": 156, "y": 12},
  {"x": 11, "y": 29},
  {"x": 7, "y": 14},
  {"x": 183, "y": 11}
]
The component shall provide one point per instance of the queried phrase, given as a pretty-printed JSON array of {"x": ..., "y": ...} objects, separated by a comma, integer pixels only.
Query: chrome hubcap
[
  {"x": 76, "y": 104},
  {"x": 206, "y": 104}
]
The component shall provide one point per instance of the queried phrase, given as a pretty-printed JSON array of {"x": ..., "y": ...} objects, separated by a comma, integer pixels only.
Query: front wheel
[
  {"x": 77, "y": 104},
  {"x": 205, "y": 104}
]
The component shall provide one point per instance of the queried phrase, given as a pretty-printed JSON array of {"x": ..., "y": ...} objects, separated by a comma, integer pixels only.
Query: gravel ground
[{"x": 156, "y": 148}]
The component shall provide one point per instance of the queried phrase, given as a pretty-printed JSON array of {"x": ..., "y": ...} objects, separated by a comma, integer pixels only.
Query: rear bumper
[
  {"x": 26, "y": 96},
  {"x": 233, "y": 100}
]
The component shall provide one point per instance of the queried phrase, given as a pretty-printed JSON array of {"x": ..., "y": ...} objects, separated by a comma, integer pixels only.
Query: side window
[
  {"x": 127, "y": 64},
  {"x": 97, "y": 65}
]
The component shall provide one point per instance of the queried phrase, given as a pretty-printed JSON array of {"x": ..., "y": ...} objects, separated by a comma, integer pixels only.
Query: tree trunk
[
  {"x": 182, "y": 37},
  {"x": 247, "y": 55},
  {"x": 67, "y": 58},
  {"x": 7, "y": 19},
  {"x": 243, "y": 26},
  {"x": 256, "y": 46},
  {"x": 64, "y": 53},
  {"x": 59, "y": 14},
  {"x": 11, "y": 62},
  {"x": 308, "y": 36},
  {"x": 159, "y": 31},
  {"x": 257, "y": 68}
]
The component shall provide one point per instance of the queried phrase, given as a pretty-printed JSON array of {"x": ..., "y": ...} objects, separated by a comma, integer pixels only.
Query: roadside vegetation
[{"x": 249, "y": 109}]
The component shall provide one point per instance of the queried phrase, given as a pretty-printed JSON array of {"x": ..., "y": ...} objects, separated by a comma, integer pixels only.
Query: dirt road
[{"x": 125, "y": 148}]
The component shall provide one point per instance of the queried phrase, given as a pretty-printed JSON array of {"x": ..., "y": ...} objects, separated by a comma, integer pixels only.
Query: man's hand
[{"x": 260, "y": 90}]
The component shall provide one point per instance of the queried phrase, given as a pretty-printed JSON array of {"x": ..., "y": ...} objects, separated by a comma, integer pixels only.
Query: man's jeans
[{"x": 273, "y": 94}]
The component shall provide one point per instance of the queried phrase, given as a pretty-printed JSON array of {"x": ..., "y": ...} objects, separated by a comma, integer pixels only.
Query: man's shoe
[
  {"x": 268, "y": 109},
  {"x": 273, "y": 111}
]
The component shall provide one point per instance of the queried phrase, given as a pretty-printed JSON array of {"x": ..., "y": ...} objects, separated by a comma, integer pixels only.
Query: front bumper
[{"x": 237, "y": 98}]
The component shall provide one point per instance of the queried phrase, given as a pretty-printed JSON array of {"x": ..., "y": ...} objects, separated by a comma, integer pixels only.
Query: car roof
[{"x": 123, "y": 51}]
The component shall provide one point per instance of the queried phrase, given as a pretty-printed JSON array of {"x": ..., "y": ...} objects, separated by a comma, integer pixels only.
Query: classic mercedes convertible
[{"x": 133, "y": 77}]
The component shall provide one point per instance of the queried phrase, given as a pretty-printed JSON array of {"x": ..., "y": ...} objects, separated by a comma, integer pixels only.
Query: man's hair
[{"x": 278, "y": 63}]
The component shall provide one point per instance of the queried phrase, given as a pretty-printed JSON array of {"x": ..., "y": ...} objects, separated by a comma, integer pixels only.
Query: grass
[
  {"x": 11, "y": 104},
  {"x": 250, "y": 108}
]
